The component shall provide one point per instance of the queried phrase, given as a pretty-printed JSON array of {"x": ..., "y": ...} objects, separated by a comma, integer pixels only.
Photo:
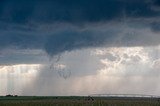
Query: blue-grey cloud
[
  {"x": 72, "y": 11},
  {"x": 26, "y": 24},
  {"x": 55, "y": 42},
  {"x": 67, "y": 41}
]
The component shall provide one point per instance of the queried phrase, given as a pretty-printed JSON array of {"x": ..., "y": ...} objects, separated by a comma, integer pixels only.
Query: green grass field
[{"x": 76, "y": 101}]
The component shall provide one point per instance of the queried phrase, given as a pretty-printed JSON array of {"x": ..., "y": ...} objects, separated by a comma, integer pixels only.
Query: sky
[{"x": 79, "y": 47}]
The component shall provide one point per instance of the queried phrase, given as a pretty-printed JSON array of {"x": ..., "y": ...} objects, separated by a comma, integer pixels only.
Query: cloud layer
[
  {"x": 58, "y": 26},
  {"x": 74, "y": 11}
]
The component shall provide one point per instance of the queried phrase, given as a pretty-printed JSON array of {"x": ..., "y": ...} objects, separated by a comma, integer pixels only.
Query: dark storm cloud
[
  {"x": 25, "y": 24},
  {"x": 72, "y": 11},
  {"x": 55, "y": 42},
  {"x": 155, "y": 26},
  {"x": 67, "y": 41}
]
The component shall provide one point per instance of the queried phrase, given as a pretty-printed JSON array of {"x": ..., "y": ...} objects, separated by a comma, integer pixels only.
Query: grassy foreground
[{"x": 77, "y": 101}]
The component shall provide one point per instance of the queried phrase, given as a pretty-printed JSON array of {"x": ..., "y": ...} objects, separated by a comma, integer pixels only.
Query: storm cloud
[
  {"x": 73, "y": 11},
  {"x": 57, "y": 26},
  {"x": 99, "y": 43}
]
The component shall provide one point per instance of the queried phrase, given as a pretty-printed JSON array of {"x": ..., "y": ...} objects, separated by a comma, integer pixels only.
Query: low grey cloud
[
  {"x": 59, "y": 26},
  {"x": 62, "y": 39}
]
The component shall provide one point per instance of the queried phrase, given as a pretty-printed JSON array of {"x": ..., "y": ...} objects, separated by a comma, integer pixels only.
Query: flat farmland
[{"x": 77, "y": 101}]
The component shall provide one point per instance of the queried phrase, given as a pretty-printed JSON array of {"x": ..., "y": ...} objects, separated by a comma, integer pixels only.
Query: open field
[{"x": 77, "y": 101}]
